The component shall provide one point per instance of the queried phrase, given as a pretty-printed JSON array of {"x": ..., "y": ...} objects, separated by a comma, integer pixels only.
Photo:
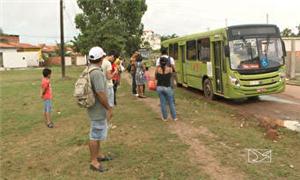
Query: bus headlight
[
  {"x": 282, "y": 75},
  {"x": 234, "y": 81}
]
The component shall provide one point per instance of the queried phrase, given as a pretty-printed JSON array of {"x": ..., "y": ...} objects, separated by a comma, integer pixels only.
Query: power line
[{"x": 69, "y": 18}]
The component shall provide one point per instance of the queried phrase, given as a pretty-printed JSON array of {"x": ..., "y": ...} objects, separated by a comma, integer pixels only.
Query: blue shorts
[
  {"x": 98, "y": 131},
  {"x": 47, "y": 105}
]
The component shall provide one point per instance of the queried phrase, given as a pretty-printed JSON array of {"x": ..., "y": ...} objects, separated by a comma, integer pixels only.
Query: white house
[
  {"x": 80, "y": 60},
  {"x": 8, "y": 55},
  {"x": 11, "y": 58},
  {"x": 14, "y": 54},
  {"x": 152, "y": 38}
]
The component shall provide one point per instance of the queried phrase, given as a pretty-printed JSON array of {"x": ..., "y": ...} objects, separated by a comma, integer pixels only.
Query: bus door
[
  {"x": 183, "y": 64},
  {"x": 218, "y": 60}
]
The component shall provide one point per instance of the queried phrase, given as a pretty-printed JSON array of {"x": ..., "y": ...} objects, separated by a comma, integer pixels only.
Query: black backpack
[{"x": 169, "y": 64}]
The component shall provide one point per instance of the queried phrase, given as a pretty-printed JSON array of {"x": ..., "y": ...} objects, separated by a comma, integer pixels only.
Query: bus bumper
[{"x": 268, "y": 86}]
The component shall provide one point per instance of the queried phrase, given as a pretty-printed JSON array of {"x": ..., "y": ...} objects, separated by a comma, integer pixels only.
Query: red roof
[
  {"x": 24, "y": 45},
  {"x": 6, "y": 45},
  {"x": 49, "y": 49},
  {"x": 18, "y": 45}
]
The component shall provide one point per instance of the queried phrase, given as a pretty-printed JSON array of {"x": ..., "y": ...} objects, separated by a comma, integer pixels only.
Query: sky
[{"x": 37, "y": 21}]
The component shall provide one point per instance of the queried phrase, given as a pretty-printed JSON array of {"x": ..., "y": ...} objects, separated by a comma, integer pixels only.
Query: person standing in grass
[
  {"x": 140, "y": 76},
  {"x": 46, "y": 95},
  {"x": 101, "y": 112},
  {"x": 116, "y": 77},
  {"x": 109, "y": 74},
  {"x": 170, "y": 63},
  {"x": 132, "y": 70},
  {"x": 163, "y": 74}
]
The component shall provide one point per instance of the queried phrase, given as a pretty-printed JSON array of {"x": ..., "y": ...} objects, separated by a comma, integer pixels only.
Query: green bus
[{"x": 234, "y": 62}]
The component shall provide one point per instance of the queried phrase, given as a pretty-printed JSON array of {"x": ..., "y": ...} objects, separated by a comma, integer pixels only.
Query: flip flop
[
  {"x": 50, "y": 125},
  {"x": 99, "y": 169},
  {"x": 105, "y": 158}
]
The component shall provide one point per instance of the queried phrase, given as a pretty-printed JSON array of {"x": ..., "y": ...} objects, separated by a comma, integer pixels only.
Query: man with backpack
[{"x": 100, "y": 112}]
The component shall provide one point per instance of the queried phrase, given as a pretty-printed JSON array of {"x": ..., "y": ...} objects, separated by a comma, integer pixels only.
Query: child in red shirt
[{"x": 46, "y": 95}]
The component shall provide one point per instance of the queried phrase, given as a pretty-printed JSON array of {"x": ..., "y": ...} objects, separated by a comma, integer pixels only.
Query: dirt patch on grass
[{"x": 198, "y": 153}]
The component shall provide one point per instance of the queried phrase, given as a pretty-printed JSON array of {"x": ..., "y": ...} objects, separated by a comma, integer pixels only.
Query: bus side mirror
[
  {"x": 226, "y": 50},
  {"x": 283, "y": 48}
]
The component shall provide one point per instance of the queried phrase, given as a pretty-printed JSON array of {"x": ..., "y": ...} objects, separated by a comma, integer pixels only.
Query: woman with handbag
[
  {"x": 140, "y": 76},
  {"x": 163, "y": 76}
]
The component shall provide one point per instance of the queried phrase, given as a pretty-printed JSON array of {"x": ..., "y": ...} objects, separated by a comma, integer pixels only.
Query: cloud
[
  {"x": 190, "y": 16},
  {"x": 38, "y": 20}
]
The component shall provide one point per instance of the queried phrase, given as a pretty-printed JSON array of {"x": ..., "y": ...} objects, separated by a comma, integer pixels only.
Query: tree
[
  {"x": 287, "y": 32},
  {"x": 131, "y": 13},
  {"x": 111, "y": 24},
  {"x": 298, "y": 27},
  {"x": 66, "y": 46},
  {"x": 166, "y": 37},
  {"x": 146, "y": 45},
  {"x": 3, "y": 40}
]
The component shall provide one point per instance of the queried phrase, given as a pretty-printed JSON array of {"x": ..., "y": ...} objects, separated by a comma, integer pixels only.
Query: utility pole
[
  {"x": 62, "y": 51},
  {"x": 267, "y": 18},
  {"x": 226, "y": 22}
]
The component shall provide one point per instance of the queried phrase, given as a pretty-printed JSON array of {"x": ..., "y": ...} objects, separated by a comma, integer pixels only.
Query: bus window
[
  {"x": 175, "y": 51},
  {"x": 191, "y": 50},
  {"x": 199, "y": 49},
  {"x": 171, "y": 50},
  {"x": 203, "y": 49}
]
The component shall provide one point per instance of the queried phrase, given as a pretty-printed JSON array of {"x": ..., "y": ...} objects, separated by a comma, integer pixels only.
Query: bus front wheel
[{"x": 208, "y": 90}]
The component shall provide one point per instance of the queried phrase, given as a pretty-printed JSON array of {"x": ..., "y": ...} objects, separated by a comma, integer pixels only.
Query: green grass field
[{"x": 143, "y": 146}]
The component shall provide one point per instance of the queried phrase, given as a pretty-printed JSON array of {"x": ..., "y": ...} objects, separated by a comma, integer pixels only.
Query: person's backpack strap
[
  {"x": 88, "y": 71},
  {"x": 92, "y": 69},
  {"x": 169, "y": 64}
]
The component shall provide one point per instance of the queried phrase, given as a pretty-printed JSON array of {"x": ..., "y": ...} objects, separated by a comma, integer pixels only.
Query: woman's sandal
[
  {"x": 99, "y": 169},
  {"x": 105, "y": 158}
]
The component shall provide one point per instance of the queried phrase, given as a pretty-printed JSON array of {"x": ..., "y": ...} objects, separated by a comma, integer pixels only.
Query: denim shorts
[
  {"x": 98, "y": 130},
  {"x": 47, "y": 105}
]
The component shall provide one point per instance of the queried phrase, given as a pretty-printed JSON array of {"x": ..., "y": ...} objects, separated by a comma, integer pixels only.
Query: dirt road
[
  {"x": 199, "y": 153},
  {"x": 283, "y": 106}
]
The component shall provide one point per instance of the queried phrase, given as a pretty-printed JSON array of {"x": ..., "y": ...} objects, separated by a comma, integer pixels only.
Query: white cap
[{"x": 96, "y": 53}]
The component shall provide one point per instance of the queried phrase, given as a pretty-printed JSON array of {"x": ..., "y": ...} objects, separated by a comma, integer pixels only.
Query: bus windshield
[{"x": 255, "y": 53}]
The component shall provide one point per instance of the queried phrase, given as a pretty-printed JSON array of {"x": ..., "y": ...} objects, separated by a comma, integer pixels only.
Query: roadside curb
[{"x": 292, "y": 84}]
